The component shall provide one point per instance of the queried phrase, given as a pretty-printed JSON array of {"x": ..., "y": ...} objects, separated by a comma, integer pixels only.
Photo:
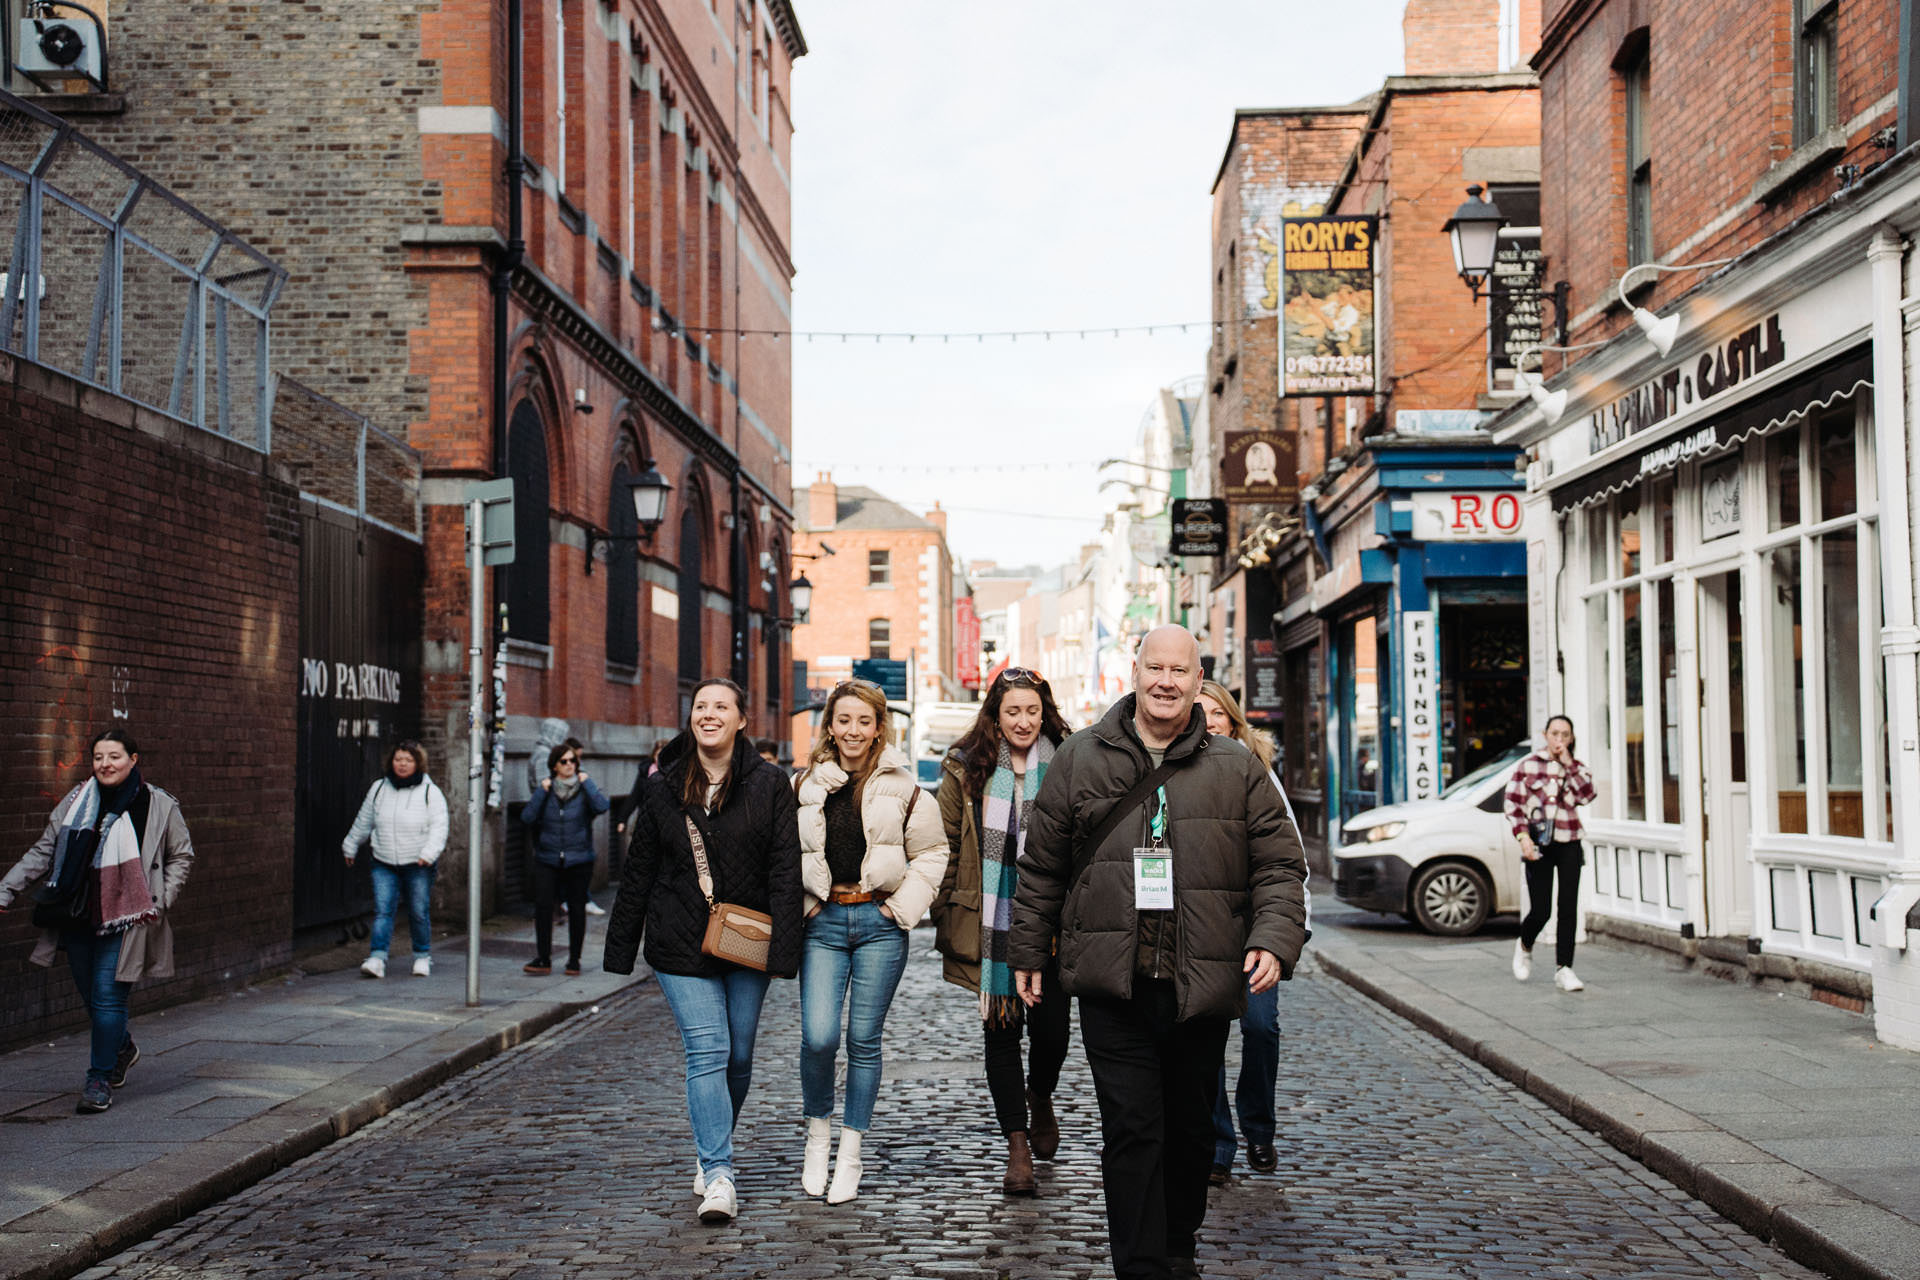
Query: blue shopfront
[{"x": 1423, "y": 608}]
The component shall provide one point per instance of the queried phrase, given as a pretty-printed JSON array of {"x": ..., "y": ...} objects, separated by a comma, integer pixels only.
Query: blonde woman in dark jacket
[
  {"x": 987, "y": 787},
  {"x": 871, "y": 860}
]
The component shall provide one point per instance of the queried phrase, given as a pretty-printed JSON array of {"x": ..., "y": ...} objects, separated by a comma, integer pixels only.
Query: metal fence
[
  {"x": 341, "y": 459},
  {"x": 132, "y": 289}
]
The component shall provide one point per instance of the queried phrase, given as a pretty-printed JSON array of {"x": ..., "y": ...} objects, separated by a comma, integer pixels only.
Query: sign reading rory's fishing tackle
[{"x": 1326, "y": 311}]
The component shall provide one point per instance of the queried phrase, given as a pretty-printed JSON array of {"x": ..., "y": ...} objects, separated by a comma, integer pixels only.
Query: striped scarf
[
  {"x": 1000, "y": 877},
  {"x": 124, "y": 899}
]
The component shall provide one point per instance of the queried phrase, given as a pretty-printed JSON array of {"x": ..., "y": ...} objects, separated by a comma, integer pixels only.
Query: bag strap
[
  {"x": 700, "y": 861},
  {"x": 1111, "y": 818},
  {"x": 912, "y": 800}
]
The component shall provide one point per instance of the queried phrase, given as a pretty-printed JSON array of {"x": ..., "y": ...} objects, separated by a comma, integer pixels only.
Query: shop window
[
  {"x": 1783, "y": 479},
  {"x": 1783, "y": 888},
  {"x": 1840, "y": 629},
  {"x": 1838, "y": 479},
  {"x": 1736, "y": 680},
  {"x": 879, "y": 568},
  {"x": 1816, "y": 83},
  {"x": 1629, "y": 533},
  {"x": 1662, "y": 520},
  {"x": 1669, "y": 703},
  {"x": 1301, "y": 729},
  {"x": 1634, "y": 708},
  {"x": 1599, "y": 725},
  {"x": 1599, "y": 544},
  {"x": 1360, "y": 780},
  {"x": 1483, "y": 684},
  {"x": 880, "y": 638},
  {"x": 1786, "y": 689}
]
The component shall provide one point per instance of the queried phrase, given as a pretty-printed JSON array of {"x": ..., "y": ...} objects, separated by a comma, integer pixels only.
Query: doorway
[{"x": 1723, "y": 757}]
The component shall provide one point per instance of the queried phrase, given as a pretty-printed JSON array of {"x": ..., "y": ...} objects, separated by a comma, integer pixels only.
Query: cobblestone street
[{"x": 571, "y": 1156}]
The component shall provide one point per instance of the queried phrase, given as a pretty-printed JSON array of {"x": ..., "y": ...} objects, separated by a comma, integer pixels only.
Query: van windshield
[{"x": 1500, "y": 764}]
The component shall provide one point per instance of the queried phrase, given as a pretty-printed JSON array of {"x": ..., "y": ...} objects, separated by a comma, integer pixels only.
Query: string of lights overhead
[{"x": 977, "y": 336}]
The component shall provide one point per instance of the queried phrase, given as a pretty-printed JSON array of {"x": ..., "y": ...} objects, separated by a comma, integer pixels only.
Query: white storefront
[{"x": 1723, "y": 617}]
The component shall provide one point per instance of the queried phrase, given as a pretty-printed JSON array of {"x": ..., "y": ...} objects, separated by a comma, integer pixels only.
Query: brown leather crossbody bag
[{"x": 738, "y": 935}]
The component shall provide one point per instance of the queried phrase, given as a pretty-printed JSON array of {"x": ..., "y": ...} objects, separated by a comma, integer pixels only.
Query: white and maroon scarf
[{"x": 124, "y": 897}]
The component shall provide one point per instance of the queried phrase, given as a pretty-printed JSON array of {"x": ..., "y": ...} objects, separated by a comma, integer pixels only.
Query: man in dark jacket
[{"x": 1195, "y": 892}]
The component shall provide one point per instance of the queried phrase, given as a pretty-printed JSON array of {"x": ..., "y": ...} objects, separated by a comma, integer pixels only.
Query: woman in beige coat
[
  {"x": 872, "y": 855},
  {"x": 115, "y": 855}
]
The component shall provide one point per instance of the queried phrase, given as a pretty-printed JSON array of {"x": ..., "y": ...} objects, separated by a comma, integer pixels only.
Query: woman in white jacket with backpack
[{"x": 406, "y": 817}]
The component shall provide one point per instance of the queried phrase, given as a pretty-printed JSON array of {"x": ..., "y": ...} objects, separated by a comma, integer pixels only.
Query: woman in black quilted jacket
[{"x": 710, "y": 779}]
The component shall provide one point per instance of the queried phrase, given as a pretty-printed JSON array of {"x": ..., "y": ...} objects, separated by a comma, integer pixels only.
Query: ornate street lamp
[{"x": 648, "y": 492}]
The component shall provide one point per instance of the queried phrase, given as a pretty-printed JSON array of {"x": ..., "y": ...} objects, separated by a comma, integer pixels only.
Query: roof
[
  {"x": 862, "y": 508},
  {"x": 1359, "y": 106},
  {"x": 1402, "y": 86}
]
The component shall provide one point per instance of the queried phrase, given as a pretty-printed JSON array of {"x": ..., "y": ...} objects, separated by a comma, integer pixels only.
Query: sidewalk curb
[
  {"x": 1811, "y": 1220},
  {"x": 65, "y": 1238}
]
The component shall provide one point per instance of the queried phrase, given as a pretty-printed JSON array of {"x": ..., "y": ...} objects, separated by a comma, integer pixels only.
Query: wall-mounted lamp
[
  {"x": 1551, "y": 403},
  {"x": 1475, "y": 230},
  {"x": 1658, "y": 330},
  {"x": 648, "y": 491},
  {"x": 800, "y": 595}
]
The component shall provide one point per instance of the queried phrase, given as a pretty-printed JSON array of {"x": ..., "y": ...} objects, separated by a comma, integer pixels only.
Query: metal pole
[{"x": 475, "y": 766}]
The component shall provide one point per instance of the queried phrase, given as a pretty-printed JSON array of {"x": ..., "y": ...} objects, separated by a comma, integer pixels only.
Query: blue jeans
[
  {"x": 387, "y": 882},
  {"x": 717, "y": 1018},
  {"x": 1259, "y": 1072},
  {"x": 93, "y": 960},
  {"x": 853, "y": 948}
]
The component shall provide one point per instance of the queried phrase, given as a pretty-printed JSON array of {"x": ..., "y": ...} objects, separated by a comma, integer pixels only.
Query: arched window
[
  {"x": 623, "y": 573},
  {"x": 880, "y": 638},
  {"x": 692, "y": 607},
  {"x": 527, "y": 584},
  {"x": 774, "y": 636}
]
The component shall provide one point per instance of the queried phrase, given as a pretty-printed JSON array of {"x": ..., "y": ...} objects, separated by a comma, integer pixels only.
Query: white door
[{"x": 1723, "y": 757}]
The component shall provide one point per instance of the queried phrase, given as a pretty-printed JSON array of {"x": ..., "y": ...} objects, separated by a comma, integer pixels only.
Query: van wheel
[{"x": 1451, "y": 899}]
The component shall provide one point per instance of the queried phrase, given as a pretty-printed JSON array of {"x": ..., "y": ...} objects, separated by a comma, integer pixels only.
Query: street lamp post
[
  {"x": 648, "y": 492},
  {"x": 1475, "y": 230}
]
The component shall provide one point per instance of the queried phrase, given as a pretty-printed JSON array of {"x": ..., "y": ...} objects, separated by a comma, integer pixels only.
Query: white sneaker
[
  {"x": 1522, "y": 961},
  {"x": 1567, "y": 980},
  {"x": 374, "y": 966},
  {"x": 594, "y": 908},
  {"x": 719, "y": 1206},
  {"x": 699, "y": 1180},
  {"x": 422, "y": 966}
]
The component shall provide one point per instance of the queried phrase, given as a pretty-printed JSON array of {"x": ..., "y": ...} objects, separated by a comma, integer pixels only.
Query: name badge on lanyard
[{"x": 1153, "y": 865}]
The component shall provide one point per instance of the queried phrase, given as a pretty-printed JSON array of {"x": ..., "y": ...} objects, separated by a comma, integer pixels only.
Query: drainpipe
[
  {"x": 1894, "y": 317},
  {"x": 510, "y": 261}
]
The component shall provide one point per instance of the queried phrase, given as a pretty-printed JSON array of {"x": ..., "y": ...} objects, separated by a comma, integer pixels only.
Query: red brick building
[
  {"x": 565, "y": 311},
  {"x": 1723, "y": 575},
  {"x": 882, "y": 588}
]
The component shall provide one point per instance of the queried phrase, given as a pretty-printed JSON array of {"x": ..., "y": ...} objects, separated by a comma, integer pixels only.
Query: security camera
[{"x": 580, "y": 404}]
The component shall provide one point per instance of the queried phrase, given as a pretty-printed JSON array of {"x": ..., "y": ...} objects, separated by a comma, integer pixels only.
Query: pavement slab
[
  {"x": 229, "y": 1089},
  {"x": 1785, "y": 1114}
]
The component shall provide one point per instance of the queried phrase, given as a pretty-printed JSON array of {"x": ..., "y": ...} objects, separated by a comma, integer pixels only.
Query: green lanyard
[{"x": 1159, "y": 824}]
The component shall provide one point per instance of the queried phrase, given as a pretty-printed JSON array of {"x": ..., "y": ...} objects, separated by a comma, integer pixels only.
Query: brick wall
[
  {"x": 1721, "y": 88},
  {"x": 149, "y": 579}
]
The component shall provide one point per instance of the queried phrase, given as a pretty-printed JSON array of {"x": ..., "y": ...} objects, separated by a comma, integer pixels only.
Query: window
[
  {"x": 527, "y": 577},
  {"x": 693, "y": 608},
  {"x": 1639, "y": 163},
  {"x": 880, "y": 638},
  {"x": 1598, "y": 729},
  {"x": 1783, "y": 480},
  {"x": 623, "y": 573},
  {"x": 1839, "y": 596},
  {"x": 879, "y": 568},
  {"x": 1669, "y": 702},
  {"x": 1816, "y": 86},
  {"x": 1634, "y": 710},
  {"x": 1787, "y": 688}
]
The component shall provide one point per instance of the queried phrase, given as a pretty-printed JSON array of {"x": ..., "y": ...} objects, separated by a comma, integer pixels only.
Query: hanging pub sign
[
  {"x": 1263, "y": 681},
  {"x": 1326, "y": 311},
  {"x": 1199, "y": 527},
  {"x": 1259, "y": 466}
]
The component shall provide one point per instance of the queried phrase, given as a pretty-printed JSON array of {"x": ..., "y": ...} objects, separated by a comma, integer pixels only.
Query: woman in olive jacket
[
  {"x": 987, "y": 786},
  {"x": 710, "y": 778}
]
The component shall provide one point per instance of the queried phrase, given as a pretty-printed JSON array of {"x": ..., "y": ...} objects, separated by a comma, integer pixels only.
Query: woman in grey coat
[{"x": 115, "y": 855}]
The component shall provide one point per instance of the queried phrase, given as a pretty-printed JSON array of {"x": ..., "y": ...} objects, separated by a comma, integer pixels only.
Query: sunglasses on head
[
  {"x": 853, "y": 684},
  {"x": 1023, "y": 675}
]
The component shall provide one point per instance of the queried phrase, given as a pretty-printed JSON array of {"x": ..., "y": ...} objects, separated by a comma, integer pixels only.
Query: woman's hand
[
  {"x": 1528, "y": 852},
  {"x": 813, "y": 911},
  {"x": 888, "y": 914},
  {"x": 546, "y": 784}
]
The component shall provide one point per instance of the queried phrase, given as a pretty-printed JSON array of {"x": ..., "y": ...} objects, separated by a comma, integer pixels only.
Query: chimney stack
[
  {"x": 823, "y": 503},
  {"x": 938, "y": 519},
  {"x": 1454, "y": 37}
]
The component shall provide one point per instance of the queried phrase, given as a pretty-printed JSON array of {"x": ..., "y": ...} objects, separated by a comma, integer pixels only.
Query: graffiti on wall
[{"x": 1261, "y": 211}]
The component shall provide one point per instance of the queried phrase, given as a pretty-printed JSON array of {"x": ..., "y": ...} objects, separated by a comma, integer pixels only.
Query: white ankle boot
[
  {"x": 813, "y": 1166},
  {"x": 846, "y": 1168}
]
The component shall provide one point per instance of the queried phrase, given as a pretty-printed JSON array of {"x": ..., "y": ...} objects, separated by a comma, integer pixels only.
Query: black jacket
[
  {"x": 753, "y": 851},
  {"x": 1239, "y": 872}
]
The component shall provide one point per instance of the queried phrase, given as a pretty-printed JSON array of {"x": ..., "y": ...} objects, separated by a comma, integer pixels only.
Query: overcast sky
[{"x": 1023, "y": 164}]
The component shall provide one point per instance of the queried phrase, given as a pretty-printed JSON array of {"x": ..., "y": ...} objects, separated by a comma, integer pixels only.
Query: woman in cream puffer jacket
[{"x": 872, "y": 855}]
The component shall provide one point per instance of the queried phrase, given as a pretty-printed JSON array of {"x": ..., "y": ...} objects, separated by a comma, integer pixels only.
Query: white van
[{"x": 1446, "y": 864}]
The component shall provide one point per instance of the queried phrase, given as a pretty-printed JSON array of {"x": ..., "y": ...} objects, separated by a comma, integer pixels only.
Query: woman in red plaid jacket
[{"x": 1542, "y": 804}]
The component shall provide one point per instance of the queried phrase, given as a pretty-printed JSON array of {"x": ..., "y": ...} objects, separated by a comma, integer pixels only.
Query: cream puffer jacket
[{"x": 906, "y": 858}]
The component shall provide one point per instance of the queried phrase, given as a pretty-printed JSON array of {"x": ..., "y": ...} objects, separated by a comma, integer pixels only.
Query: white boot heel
[
  {"x": 813, "y": 1166},
  {"x": 846, "y": 1168}
]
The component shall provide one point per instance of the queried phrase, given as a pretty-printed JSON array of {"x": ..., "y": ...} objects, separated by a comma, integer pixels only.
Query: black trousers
[
  {"x": 1046, "y": 1029},
  {"x": 1156, "y": 1079},
  {"x": 1565, "y": 857},
  {"x": 564, "y": 883}
]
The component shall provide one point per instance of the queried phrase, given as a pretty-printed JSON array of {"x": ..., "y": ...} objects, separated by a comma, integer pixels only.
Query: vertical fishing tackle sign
[{"x": 1326, "y": 306}]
